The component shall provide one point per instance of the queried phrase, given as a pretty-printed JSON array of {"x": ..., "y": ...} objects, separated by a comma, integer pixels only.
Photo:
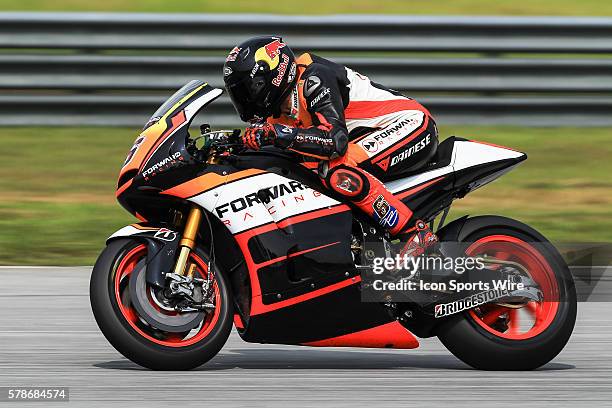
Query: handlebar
[{"x": 215, "y": 143}]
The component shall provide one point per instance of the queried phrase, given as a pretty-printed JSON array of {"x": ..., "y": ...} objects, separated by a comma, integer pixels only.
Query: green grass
[
  {"x": 57, "y": 203},
  {"x": 440, "y": 7},
  {"x": 56, "y": 233}
]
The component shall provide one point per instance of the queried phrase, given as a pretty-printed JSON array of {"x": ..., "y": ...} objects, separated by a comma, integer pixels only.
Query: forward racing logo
[
  {"x": 160, "y": 165},
  {"x": 301, "y": 138},
  {"x": 372, "y": 143},
  {"x": 264, "y": 196},
  {"x": 394, "y": 130}
]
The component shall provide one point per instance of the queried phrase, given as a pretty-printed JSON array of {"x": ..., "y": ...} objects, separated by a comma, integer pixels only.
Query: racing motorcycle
[{"x": 252, "y": 239}]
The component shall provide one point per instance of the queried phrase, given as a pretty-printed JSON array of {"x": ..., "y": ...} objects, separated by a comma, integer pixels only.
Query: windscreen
[{"x": 178, "y": 95}]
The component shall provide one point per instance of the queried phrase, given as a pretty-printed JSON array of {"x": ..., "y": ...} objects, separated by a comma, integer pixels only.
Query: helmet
[{"x": 258, "y": 75}]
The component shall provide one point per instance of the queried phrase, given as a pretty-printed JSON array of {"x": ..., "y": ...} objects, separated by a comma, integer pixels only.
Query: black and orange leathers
[{"x": 319, "y": 129}]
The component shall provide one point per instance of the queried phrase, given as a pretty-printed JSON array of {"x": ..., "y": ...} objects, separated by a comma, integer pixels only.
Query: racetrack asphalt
[{"x": 48, "y": 337}]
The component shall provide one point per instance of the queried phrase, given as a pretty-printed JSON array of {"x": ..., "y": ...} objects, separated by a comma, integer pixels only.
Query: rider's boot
[
  {"x": 392, "y": 214},
  {"x": 419, "y": 239}
]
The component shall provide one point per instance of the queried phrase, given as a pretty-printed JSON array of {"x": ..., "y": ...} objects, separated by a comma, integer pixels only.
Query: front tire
[
  {"x": 487, "y": 338},
  {"x": 133, "y": 338}
]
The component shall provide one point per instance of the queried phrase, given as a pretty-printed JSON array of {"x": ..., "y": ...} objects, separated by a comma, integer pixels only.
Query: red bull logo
[
  {"x": 273, "y": 48},
  {"x": 269, "y": 53}
]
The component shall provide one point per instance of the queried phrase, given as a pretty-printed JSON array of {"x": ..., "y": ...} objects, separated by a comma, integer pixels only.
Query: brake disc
[{"x": 159, "y": 319}]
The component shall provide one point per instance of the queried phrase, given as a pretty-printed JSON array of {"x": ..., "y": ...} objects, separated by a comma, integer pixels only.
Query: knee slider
[{"x": 347, "y": 182}]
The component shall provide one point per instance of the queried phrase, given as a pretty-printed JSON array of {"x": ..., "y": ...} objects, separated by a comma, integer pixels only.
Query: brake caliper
[{"x": 194, "y": 293}]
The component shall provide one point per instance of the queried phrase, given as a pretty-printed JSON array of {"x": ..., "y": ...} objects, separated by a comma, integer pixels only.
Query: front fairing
[{"x": 159, "y": 158}]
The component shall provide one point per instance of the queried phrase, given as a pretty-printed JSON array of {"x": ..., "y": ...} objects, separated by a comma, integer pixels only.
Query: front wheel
[
  {"x": 132, "y": 336},
  {"x": 510, "y": 336}
]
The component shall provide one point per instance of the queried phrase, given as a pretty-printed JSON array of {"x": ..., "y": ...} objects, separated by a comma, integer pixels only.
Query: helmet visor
[{"x": 245, "y": 95}]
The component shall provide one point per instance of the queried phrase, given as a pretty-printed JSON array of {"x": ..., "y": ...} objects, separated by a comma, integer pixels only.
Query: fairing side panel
[
  {"x": 260, "y": 199},
  {"x": 296, "y": 245},
  {"x": 336, "y": 313},
  {"x": 298, "y": 259},
  {"x": 388, "y": 335}
]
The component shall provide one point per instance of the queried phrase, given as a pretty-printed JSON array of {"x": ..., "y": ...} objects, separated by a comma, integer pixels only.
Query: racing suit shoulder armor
[
  {"x": 320, "y": 76},
  {"x": 320, "y": 89}
]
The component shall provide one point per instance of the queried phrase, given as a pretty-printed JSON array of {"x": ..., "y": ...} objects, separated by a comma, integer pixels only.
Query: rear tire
[
  {"x": 486, "y": 348},
  {"x": 130, "y": 342}
]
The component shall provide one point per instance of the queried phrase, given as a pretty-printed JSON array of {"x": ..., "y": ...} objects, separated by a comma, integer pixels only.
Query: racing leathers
[{"x": 359, "y": 131}]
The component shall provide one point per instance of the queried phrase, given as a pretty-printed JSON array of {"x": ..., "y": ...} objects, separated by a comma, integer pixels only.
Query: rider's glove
[{"x": 258, "y": 135}]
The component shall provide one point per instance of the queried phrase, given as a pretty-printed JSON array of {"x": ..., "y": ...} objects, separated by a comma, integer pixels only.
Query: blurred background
[{"x": 79, "y": 79}]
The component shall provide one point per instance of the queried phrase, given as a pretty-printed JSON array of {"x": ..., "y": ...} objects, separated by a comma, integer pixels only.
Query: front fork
[
  {"x": 187, "y": 243},
  {"x": 194, "y": 292}
]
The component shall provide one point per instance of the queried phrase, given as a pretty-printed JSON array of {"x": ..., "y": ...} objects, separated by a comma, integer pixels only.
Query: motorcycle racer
[{"x": 358, "y": 131}]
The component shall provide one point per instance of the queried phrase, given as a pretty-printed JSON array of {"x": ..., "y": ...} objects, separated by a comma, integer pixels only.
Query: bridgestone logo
[{"x": 470, "y": 302}]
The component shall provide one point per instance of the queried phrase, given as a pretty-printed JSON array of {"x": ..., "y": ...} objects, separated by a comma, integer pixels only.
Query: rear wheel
[
  {"x": 514, "y": 336},
  {"x": 138, "y": 340}
]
